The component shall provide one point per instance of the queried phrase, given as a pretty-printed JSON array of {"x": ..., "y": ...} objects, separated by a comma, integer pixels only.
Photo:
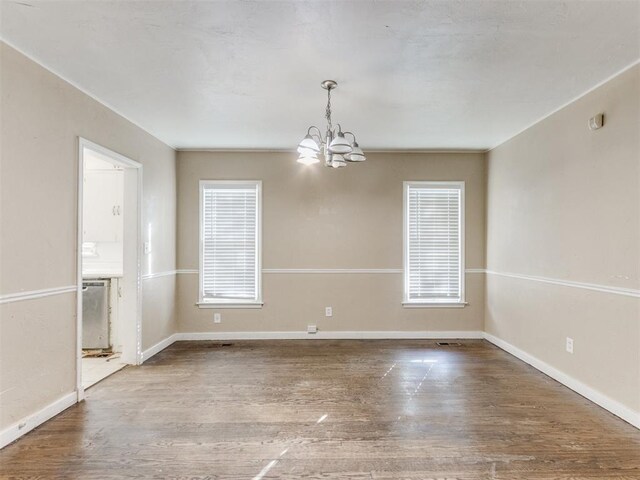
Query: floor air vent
[
  {"x": 219, "y": 345},
  {"x": 449, "y": 344}
]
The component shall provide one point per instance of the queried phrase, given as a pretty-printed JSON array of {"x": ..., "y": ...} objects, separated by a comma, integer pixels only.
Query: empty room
[{"x": 330, "y": 239}]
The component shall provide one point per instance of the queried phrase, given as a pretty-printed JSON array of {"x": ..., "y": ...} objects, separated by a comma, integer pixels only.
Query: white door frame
[{"x": 127, "y": 163}]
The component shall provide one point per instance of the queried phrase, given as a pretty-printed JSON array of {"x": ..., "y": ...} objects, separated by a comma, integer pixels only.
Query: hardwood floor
[{"x": 329, "y": 409}]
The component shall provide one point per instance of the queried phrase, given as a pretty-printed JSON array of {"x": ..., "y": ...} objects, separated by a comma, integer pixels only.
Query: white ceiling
[{"x": 412, "y": 75}]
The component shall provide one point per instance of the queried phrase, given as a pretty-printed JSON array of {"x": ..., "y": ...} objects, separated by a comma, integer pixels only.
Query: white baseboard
[
  {"x": 330, "y": 335},
  {"x": 158, "y": 347},
  {"x": 586, "y": 391},
  {"x": 302, "y": 335},
  {"x": 15, "y": 431}
]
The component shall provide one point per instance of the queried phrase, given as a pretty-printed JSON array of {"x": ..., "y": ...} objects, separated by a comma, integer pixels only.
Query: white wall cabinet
[{"x": 102, "y": 219}]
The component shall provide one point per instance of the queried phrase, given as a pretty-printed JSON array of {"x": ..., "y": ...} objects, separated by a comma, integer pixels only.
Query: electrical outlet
[
  {"x": 147, "y": 248},
  {"x": 328, "y": 312},
  {"x": 569, "y": 345},
  {"x": 217, "y": 318}
]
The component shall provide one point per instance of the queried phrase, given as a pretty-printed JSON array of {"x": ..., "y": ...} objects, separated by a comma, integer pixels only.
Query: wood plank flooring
[{"x": 329, "y": 410}]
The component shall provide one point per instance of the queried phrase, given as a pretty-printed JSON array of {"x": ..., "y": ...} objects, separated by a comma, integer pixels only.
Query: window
[
  {"x": 434, "y": 243},
  {"x": 230, "y": 247}
]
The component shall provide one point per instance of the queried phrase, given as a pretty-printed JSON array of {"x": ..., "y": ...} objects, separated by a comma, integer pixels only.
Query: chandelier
[{"x": 334, "y": 148}]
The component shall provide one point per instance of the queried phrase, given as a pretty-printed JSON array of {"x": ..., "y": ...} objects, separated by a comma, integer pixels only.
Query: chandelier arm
[
  {"x": 338, "y": 127},
  {"x": 315, "y": 136},
  {"x": 350, "y": 133},
  {"x": 313, "y": 127},
  {"x": 315, "y": 133}
]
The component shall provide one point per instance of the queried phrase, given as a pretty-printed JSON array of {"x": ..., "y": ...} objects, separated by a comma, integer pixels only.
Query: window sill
[
  {"x": 220, "y": 305},
  {"x": 435, "y": 305}
]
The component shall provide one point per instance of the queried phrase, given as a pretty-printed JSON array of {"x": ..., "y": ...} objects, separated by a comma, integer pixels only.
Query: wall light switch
[
  {"x": 569, "y": 345},
  {"x": 147, "y": 248},
  {"x": 328, "y": 312},
  {"x": 217, "y": 318}
]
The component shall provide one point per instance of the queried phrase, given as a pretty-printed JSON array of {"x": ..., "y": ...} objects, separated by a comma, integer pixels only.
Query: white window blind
[
  {"x": 434, "y": 242},
  {"x": 230, "y": 242}
]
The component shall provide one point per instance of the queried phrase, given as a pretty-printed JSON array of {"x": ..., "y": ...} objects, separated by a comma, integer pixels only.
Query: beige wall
[
  {"x": 320, "y": 218},
  {"x": 564, "y": 203},
  {"x": 42, "y": 117}
]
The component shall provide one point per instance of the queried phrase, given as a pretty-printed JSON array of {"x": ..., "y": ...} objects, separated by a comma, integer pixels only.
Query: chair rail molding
[
  {"x": 329, "y": 270},
  {"x": 167, "y": 273},
  {"x": 32, "y": 294},
  {"x": 629, "y": 292}
]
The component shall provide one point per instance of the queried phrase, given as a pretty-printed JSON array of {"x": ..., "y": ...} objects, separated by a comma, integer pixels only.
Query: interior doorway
[{"x": 109, "y": 275}]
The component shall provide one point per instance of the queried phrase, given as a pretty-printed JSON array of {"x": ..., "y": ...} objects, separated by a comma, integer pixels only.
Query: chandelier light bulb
[
  {"x": 356, "y": 155},
  {"x": 308, "y": 143},
  {"x": 308, "y": 159},
  {"x": 338, "y": 161},
  {"x": 306, "y": 151}
]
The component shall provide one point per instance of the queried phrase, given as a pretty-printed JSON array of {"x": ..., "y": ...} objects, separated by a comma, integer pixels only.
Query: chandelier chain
[{"x": 328, "y": 111}]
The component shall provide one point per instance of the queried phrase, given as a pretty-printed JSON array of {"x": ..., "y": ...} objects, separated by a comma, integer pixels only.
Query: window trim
[
  {"x": 222, "y": 303},
  {"x": 406, "y": 302}
]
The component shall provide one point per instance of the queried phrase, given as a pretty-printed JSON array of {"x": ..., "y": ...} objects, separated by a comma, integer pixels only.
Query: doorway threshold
[{"x": 95, "y": 369}]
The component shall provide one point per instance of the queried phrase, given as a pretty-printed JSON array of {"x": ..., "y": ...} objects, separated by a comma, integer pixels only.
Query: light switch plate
[{"x": 569, "y": 345}]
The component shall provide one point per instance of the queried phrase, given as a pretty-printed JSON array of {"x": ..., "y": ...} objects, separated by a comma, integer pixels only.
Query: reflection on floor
[{"x": 95, "y": 369}]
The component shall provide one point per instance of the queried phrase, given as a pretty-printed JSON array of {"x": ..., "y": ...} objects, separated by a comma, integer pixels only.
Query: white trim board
[
  {"x": 31, "y": 294},
  {"x": 629, "y": 292},
  {"x": 292, "y": 151},
  {"x": 332, "y": 335},
  {"x": 158, "y": 347},
  {"x": 303, "y": 335},
  {"x": 331, "y": 270},
  {"x": 613, "y": 406},
  {"x": 21, "y": 427},
  {"x": 168, "y": 273},
  {"x": 327, "y": 270}
]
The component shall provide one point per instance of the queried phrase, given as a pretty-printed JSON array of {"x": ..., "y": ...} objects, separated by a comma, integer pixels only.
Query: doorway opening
[{"x": 109, "y": 275}]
